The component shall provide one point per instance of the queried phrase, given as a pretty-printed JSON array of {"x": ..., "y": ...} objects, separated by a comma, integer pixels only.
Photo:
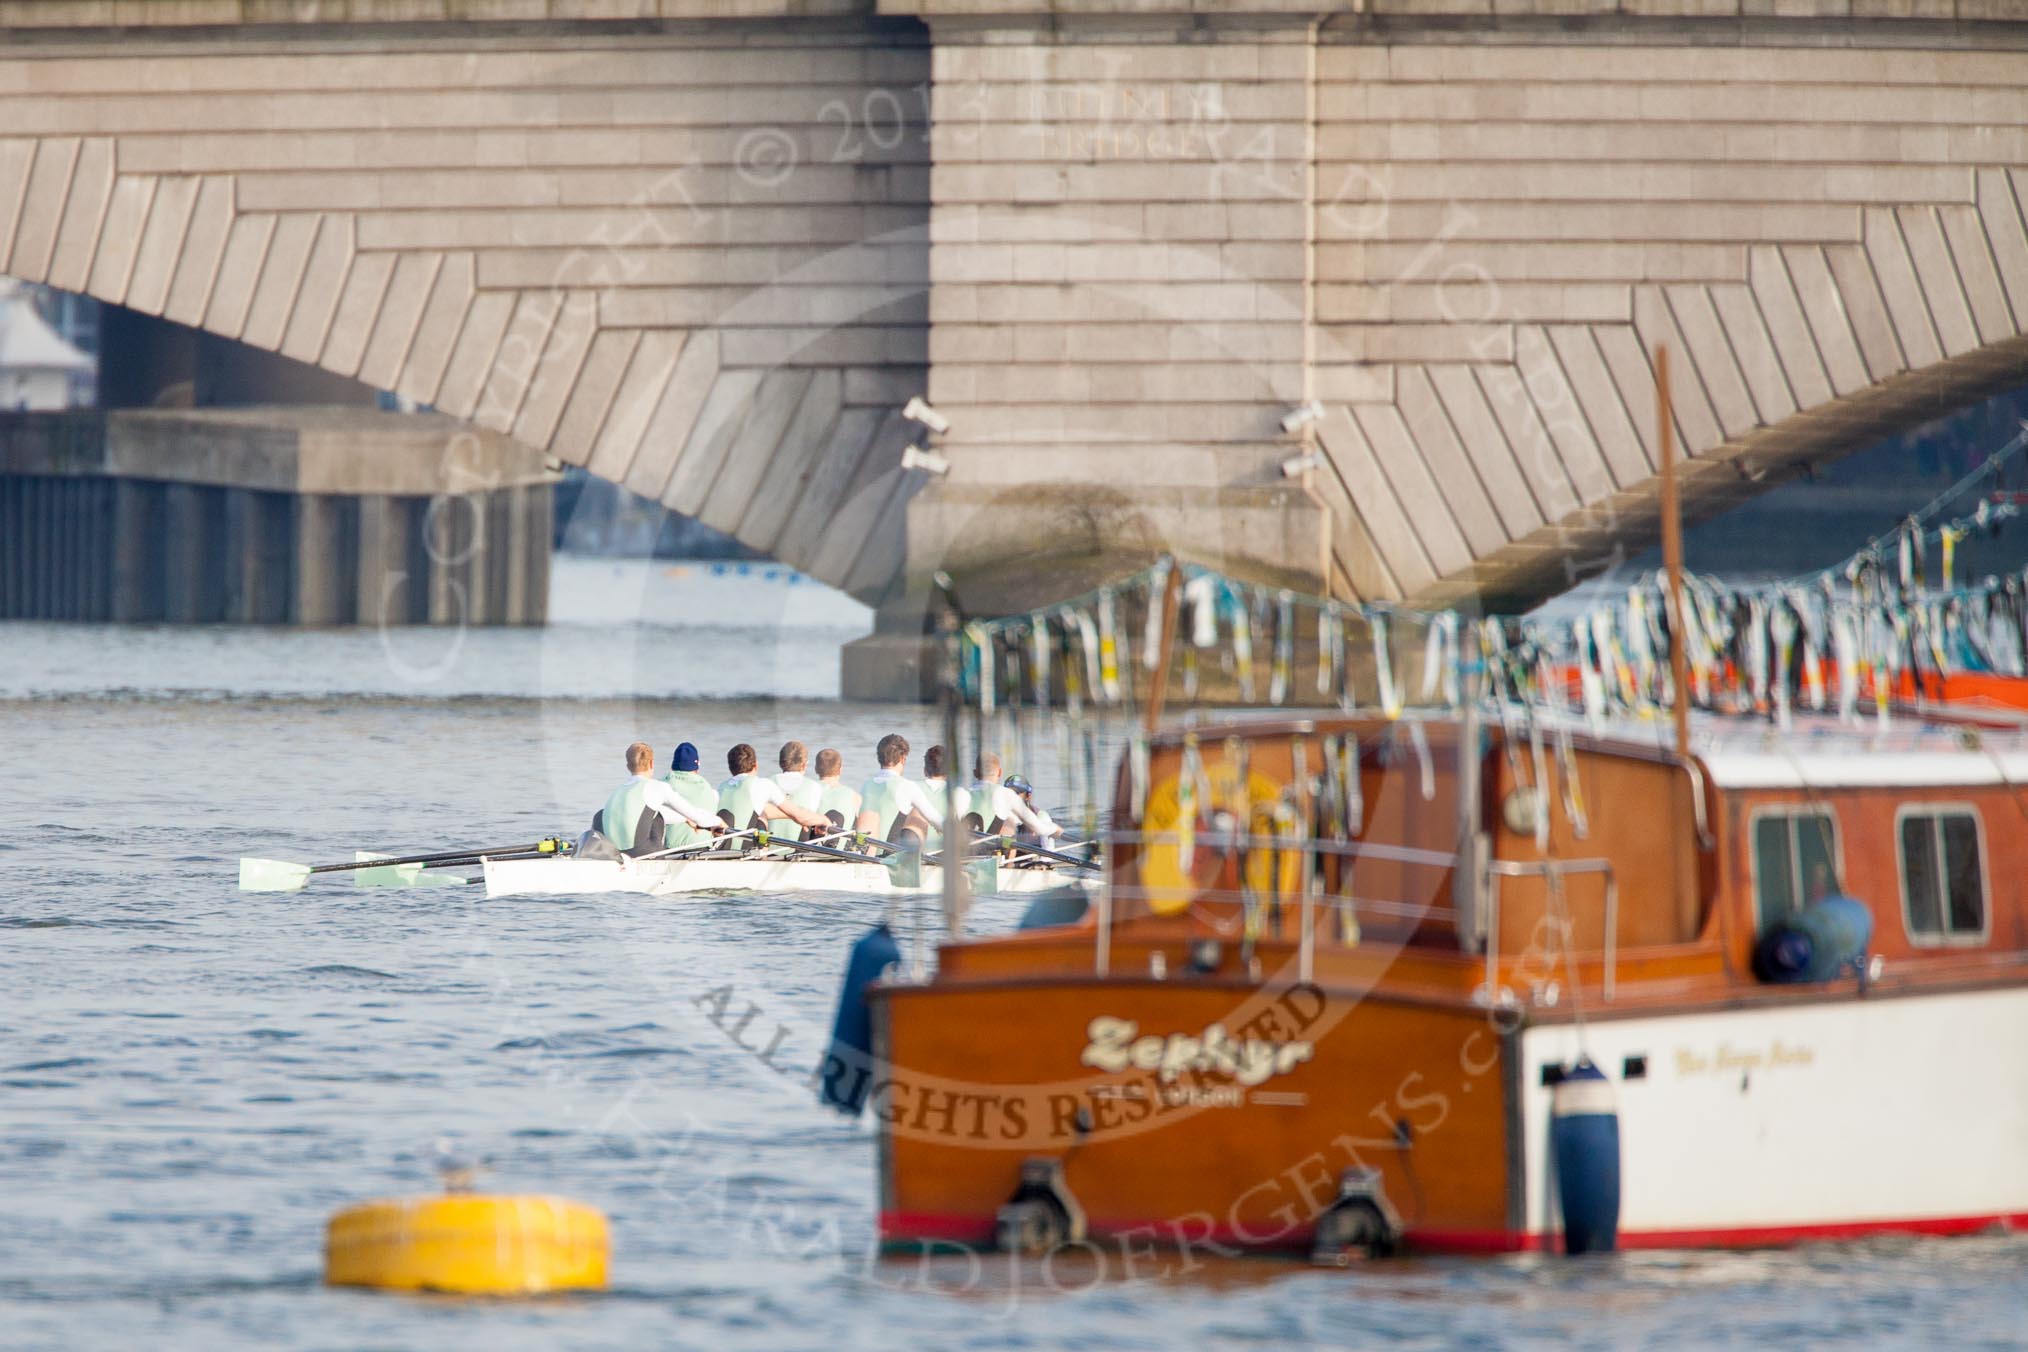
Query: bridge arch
[
  {"x": 585, "y": 250},
  {"x": 1829, "y": 238}
]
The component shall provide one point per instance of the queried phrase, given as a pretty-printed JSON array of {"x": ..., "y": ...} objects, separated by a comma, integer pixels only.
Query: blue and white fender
[{"x": 1584, "y": 1136}]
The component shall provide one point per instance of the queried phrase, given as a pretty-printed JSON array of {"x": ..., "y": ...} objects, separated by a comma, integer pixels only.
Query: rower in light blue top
[
  {"x": 935, "y": 788},
  {"x": 835, "y": 800},
  {"x": 636, "y": 812},
  {"x": 891, "y": 807},
  {"x": 794, "y": 780},
  {"x": 750, "y": 800},
  {"x": 1004, "y": 808},
  {"x": 694, "y": 789}
]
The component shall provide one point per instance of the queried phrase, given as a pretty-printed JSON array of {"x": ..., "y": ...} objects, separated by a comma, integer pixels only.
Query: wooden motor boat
[{"x": 1356, "y": 985}]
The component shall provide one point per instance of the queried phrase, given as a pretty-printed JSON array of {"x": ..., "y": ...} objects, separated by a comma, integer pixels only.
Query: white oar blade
[{"x": 272, "y": 875}]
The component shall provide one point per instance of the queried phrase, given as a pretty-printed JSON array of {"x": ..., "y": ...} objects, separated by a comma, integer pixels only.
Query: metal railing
[
  {"x": 1552, "y": 871},
  {"x": 1308, "y": 848}
]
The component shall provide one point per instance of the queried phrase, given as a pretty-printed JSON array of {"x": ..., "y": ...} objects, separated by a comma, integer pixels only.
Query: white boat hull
[
  {"x": 667, "y": 877},
  {"x": 1817, "y": 1120}
]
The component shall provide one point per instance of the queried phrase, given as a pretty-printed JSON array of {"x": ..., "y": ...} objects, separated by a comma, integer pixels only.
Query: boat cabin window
[
  {"x": 1795, "y": 861},
  {"x": 1943, "y": 876}
]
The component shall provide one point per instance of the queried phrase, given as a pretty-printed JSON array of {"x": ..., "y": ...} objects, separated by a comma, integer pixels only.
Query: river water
[{"x": 193, "y": 1079}]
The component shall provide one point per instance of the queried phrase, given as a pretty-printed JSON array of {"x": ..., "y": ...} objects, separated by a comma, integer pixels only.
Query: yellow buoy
[{"x": 469, "y": 1244}]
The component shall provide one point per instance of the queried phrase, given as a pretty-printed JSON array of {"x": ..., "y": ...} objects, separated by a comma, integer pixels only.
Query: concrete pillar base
[
  {"x": 888, "y": 669},
  {"x": 1012, "y": 549}
]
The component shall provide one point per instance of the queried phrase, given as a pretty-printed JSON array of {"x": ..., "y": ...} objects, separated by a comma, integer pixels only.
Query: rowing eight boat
[{"x": 663, "y": 877}]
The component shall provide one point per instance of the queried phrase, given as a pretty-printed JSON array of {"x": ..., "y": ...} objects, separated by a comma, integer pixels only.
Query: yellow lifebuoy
[
  {"x": 1169, "y": 885},
  {"x": 468, "y": 1244}
]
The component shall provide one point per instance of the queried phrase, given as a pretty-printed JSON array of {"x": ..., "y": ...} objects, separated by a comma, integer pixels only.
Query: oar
[
  {"x": 860, "y": 840},
  {"x": 681, "y": 851},
  {"x": 904, "y": 866},
  {"x": 401, "y": 875},
  {"x": 818, "y": 847},
  {"x": 279, "y": 875},
  {"x": 1010, "y": 843},
  {"x": 766, "y": 839},
  {"x": 412, "y": 875},
  {"x": 772, "y": 841}
]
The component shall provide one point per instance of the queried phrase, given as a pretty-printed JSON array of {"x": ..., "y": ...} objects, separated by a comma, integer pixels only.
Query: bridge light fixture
[
  {"x": 1296, "y": 466},
  {"x": 918, "y": 410},
  {"x": 929, "y": 462},
  {"x": 1301, "y": 416}
]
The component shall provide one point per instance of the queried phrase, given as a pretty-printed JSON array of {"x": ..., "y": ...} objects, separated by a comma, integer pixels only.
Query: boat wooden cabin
[{"x": 1438, "y": 984}]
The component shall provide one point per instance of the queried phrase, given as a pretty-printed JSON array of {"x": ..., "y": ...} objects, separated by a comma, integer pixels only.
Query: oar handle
[
  {"x": 488, "y": 857},
  {"x": 861, "y": 839},
  {"x": 553, "y": 845},
  {"x": 831, "y": 839}
]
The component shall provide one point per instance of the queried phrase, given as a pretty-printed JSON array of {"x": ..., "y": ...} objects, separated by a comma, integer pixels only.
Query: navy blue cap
[
  {"x": 686, "y": 757},
  {"x": 1020, "y": 785}
]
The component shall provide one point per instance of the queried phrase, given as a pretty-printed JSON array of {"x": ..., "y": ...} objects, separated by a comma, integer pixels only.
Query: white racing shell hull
[{"x": 665, "y": 877}]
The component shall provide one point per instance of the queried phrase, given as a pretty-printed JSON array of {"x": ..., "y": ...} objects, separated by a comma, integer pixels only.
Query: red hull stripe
[{"x": 902, "y": 1227}]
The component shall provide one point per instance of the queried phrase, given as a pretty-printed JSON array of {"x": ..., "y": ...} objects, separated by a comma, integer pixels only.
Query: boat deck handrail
[
  {"x": 1342, "y": 904},
  {"x": 1337, "y": 901},
  {"x": 1351, "y": 849},
  {"x": 1553, "y": 871},
  {"x": 1308, "y": 848},
  {"x": 1346, "y": 907}
]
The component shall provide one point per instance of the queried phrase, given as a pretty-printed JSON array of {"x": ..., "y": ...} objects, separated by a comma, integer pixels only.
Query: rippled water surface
[{"x": 192, "y": 1079}]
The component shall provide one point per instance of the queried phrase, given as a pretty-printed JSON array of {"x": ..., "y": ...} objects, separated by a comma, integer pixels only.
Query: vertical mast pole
[
  {"x": 1172, "y": 595},
  {"x": 1672, "y": 554},
  {"x": 950, "y": 656}
]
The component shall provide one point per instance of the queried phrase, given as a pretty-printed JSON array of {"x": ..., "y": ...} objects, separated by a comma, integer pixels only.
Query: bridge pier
[
  {"x": 1007, "y": 549},
  {"x": 269, "y": 516}
]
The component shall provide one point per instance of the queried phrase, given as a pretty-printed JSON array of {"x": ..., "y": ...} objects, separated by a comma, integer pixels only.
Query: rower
[
  {"x": 794, "y": 783},
  {"x": 694, "y": 789},
  {"x": 1003, "y": 808},
  {"x": 935, "y": 789},
  {"x": 892, "y": 808},
  {"x": 635, "y": 813},
  {"x": 748, "y": 800},
  {"x": 835, "y": 801},
  {"x": 1042, "y": 830}
]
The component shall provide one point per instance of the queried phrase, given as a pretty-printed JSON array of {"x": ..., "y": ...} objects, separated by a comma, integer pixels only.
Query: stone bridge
[{"x": 708, "y": 248}]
